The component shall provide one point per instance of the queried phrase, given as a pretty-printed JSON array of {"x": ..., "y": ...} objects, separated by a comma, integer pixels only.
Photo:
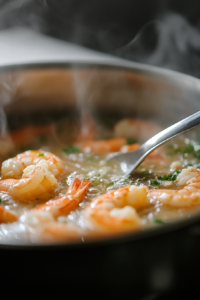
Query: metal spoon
[{"x": 131, "y": 160}]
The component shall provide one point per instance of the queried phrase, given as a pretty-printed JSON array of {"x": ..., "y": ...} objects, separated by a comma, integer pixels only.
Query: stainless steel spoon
[{"x": 131, "y": 160}]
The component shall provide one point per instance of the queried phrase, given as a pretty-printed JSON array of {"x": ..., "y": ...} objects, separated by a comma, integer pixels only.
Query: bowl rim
[{"x": 120, "y": 65}]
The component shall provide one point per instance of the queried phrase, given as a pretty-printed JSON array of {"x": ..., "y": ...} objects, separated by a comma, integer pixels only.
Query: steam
[
  {"x": 23, "y": 13},
  {"x": 169, "y": 42}
]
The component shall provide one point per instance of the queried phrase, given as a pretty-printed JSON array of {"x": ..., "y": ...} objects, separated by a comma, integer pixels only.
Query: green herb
[
  {"x": 188, "y": 165},
  {"x": 172, "y": 176},
  {"x": 71, "y": 149},
  {"x": 155, "y": 182},
  {"x": 132, "y": 182},
  {"x": 0, "y": 199},
  {"x": 165, "y": 177},
  {"x": 126, "y": 180},
  {"x": 198, "y": 154},
  {"x": 131, "y": 141},
  {"x": 98, "y": 174},
  {"x": 188, "y": 149},
  {"x": 40, "y": 154},
  {"x": 110, "y": 184},
  {"x": 158, "y": 221}
]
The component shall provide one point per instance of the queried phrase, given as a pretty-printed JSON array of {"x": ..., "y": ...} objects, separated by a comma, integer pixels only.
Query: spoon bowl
[{"x": 131, "y": 160}]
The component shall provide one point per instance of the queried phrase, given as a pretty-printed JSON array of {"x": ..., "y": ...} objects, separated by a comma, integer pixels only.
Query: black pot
[{"x": 149, "y": 262}]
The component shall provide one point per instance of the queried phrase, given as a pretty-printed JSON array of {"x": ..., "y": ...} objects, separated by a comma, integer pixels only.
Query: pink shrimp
[
  {"x": 30, "y": 174},
  {"x": 63, "y": 205},
  {"x": 186, "y": 197},
  {"x": 7, "y": 216},
  {"x": 116, "y": 210},
  {"x": 102, "y": 146},
  {"x": 135, "y": 128}
]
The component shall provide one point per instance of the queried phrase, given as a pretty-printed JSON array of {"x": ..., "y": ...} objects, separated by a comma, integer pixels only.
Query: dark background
[{"x": 165, "y": 33}]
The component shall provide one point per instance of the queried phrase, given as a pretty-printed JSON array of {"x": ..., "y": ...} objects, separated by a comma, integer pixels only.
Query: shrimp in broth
[{"x": 67, "y": 191}]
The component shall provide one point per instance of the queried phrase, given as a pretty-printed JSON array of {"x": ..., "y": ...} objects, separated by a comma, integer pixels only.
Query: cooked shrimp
[
  {"x": 135, "y": 128},
  {"x": 116, "y": 210},
  {"x": 60, "y": 232},
  {"x": 44, "y": 216},
  {"x": 102, "y": 146},
  {"x": 14, "y": 167},
  {"x": 38, "y": 171},
  {"x": 67, "y": 203},
  {"x": 7, "y": 216},
  {"x": 186, "y": 197}
]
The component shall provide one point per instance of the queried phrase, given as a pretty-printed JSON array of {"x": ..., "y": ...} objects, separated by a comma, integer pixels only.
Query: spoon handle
[{"x": 172, "y": 131}]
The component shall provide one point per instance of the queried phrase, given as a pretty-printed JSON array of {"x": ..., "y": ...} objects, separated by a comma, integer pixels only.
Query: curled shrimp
[
  {"x": 45, "y": 215},
  {"x": 30, "y": 174},
  {"x": 7, "y": 216},
  {"x": 188, "y": 196},
  {"x": 116, "y": 210},
  {"x": 67, "y": 203},
  {"x": 102, "y": 146},
  {"x": 135, "y": 128},
  {"x": 113, "y": 145}
]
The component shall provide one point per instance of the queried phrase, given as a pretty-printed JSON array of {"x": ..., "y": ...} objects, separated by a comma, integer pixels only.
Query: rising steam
[{"x": 169, "y": 42}]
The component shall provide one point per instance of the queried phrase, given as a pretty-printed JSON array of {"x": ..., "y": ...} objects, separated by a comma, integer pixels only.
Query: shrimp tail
[
  {"x": 74, "y": 195},
  {"x": 78, "y": 188},
  {"x": 67, "y": 203},
  {"x": 6, "y": 216}
]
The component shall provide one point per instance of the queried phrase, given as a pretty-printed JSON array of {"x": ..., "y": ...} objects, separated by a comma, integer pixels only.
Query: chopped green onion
[
  {"x": 158, "y": 221},
  {"x": 188, "y": 149},
  {"x": 131, "y": 141},
  {"x": 126, "y": 179},
  {"x": 71, "y": 149},
  {"x": 172, "y": 176},
  {"x": 110, "y": 184},
  {"x": 40, "y": 154},
  {"x": 98, "y": 174},
  {"x": 188, "y": 165},
  {"x": 155, "y": 182},
  {"x": 0, "y": 199}
]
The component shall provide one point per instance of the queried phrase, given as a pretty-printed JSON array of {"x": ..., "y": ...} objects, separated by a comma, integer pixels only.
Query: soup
[{"x": 57, "y": 185}]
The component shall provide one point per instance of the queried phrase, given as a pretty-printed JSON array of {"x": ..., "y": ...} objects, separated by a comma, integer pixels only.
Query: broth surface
[{"x": 156, "y": 172}]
